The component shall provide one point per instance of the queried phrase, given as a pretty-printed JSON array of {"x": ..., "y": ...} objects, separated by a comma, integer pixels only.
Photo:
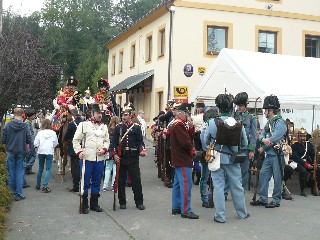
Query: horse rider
[{"x": 106, "y": 99}]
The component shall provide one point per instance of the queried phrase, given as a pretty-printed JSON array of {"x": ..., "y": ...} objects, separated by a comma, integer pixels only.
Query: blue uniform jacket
[
  {"x": 275, "y": 129},
  {"x": 210, "y": 136},
  {"x": 250, "y": 125}
]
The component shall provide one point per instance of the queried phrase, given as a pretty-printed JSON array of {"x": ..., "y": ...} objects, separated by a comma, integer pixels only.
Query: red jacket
[{"x": 181, "y": 145}]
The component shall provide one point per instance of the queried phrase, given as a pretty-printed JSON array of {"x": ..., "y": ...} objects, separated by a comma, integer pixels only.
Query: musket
[
  {"x": 82, "y": 175},
  {"x": 159, "y": 154},
  {"x": 116, "y": 182},
  {"x": 164, "y": 166},
  {"x": 315, "y": 166}
]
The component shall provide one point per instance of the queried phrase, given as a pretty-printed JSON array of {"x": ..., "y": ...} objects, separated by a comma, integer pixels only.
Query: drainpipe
[{"x": 172, "y": 9}]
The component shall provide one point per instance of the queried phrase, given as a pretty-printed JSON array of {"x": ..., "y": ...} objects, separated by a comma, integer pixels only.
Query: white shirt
[
  {"x": 46, "y": 140},
  {"x": 143, "y": 125}
]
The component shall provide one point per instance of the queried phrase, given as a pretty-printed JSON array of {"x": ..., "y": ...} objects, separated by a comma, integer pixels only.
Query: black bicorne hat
[
  {"x": 271, "y": 102},
  {"x": 72, "y": 81},
  {"x": 97, "y": 107},
  {"x": 224, "y": 102},
  {"x": 241, "y": 99},
  {"x": 185, "y": 107}
]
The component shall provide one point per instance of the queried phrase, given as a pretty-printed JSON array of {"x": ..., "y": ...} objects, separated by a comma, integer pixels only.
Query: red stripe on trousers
[{"x": 185, "y": 190}]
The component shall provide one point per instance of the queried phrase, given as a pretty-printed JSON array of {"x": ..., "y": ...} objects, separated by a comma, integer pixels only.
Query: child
[{"x": 46, "y": 140}]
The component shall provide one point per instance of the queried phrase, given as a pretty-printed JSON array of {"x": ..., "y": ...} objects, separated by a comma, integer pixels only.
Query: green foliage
[
  {"x": 6, "y": 197},
  {"x": 101, "y": 72},
  {"x": 3, "y": 218}
]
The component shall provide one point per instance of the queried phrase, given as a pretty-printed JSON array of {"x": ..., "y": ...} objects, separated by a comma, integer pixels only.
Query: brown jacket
[{"x": 180, "y": 145}]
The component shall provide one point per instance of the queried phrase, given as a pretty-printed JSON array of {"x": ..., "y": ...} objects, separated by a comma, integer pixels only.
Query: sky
[{"x": 23, "y": 7}]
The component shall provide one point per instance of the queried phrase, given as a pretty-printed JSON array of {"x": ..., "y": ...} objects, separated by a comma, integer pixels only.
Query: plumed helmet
[
  {"x": 241, "y": 99},
  {"x": 170, "y": 103},
  {"x": 72, "y": 81},
  {"x": 87, "y": 91},
  {"x": 185, "y": 107},
  {"x": 200, "y": 104},
  {"x": 127, "y": 108},
  {"x": 29, "y": 112},
  {"x": 271, "y": 102},
  {"x": 302, "y": 132},
  {"x": 224, "y": 102},
  {"x": 177, "y": 103},
  {"x": 103, "y": 82}
]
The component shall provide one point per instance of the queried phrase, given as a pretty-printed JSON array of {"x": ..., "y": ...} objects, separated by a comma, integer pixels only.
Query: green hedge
[{"x": 6, "y": 195}]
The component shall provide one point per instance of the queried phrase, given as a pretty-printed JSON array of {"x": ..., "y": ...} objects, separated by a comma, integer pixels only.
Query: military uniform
[
  {"x": 229, "y": 171},
  {"x": 273, "y": 164},
  {"x": 131, "y": 146}
]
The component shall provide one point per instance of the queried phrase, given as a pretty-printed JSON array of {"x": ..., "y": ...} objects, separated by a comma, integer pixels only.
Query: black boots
[
  {"x": 85, "y": 205},
  {"x": 94, "y": 206}
]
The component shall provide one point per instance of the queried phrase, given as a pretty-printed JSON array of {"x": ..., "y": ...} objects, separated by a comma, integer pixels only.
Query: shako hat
[
  {"x": 224, "y": 102},
  {"x": 241, "y": 99},
  {"x": 103, "y": 82},
  {"x": 302, "y": 132},
  {"x": 271, "y": 102},
  {"x": 72, "y": 81}
]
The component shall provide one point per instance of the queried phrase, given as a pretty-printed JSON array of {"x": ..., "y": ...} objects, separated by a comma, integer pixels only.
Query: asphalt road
[{"x": 55, "y": 215}]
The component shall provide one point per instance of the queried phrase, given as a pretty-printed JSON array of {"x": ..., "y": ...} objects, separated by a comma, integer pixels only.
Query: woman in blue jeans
[{"x": 46, "y": 140}]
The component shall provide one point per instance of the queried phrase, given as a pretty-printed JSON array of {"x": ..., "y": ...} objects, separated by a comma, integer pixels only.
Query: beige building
[{"x": 164, "y": 55}]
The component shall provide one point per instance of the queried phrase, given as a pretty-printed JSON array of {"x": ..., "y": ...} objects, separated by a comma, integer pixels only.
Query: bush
[
  {"x": 3, "y": 174},
  {"x": 2, "y": 158},
  {"x": 6, "y": 197},
  {"x": 3, "y": 218}
]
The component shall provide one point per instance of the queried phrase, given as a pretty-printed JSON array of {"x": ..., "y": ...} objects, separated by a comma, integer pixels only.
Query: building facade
[{"x": 165, "y": 54}]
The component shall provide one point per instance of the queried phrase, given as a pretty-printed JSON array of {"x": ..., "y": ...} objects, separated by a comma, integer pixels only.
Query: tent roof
[{"x": 294, "y": 79}]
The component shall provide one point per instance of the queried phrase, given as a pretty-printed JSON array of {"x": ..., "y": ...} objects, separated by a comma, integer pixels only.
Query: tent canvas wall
[{"x": 294, "y": 79}]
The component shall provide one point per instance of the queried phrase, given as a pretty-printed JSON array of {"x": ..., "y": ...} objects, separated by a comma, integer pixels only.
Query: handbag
[
  {"x": 209, "y": 154},
  {"x": 214, "y": 165}
]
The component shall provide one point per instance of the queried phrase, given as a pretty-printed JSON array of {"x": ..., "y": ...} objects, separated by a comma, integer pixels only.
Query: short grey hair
[{"x": 141, "y": 111}]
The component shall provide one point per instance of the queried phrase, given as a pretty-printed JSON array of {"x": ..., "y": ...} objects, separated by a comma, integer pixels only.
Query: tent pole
[{"x": 313, "y": 108}]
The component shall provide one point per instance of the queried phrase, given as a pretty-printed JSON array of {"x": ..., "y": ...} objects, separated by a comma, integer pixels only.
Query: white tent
[{"x": 295, "y": 80}]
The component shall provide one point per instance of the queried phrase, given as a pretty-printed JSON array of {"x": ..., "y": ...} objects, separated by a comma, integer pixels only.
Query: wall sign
[
  {"x": 180, "y": 91},
  {"x": 202, "y": 71},
  {"x": 188, "y": 70}
]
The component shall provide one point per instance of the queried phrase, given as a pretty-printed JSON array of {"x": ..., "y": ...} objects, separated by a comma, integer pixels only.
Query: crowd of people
[{"x": 215, "y": 148}]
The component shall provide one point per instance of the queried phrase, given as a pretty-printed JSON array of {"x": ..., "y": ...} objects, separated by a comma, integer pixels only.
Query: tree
[{"x": 25, "y": 77}]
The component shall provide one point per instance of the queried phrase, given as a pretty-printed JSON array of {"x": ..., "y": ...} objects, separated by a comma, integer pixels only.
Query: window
[
  {"x": 149, "y": 48},
  {"x": 121, "y": 61},
  {"x": 133, "y": 55},
  {"x": 312, "y": 46},
  {"x": 113, "y": 65},
  {"x": 217, "y": 39},
  {"x": 161, "y": 42},
  {"x": 267, "y": 42}
]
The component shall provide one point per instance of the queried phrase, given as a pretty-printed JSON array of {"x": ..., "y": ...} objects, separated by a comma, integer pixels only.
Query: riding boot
[
  {"x": 85, "y": 205},
  {"x": 94, "y": 206}
]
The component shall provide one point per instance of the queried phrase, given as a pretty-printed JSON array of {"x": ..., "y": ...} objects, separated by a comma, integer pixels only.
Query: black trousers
[
  {"x": 75, "y": 171},
  {"x": 134, "y": 171}
]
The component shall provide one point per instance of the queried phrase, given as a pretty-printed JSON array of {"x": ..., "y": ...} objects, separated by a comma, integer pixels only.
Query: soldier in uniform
[
  {"x": 129, "y": 136},
  {"x": 273, "y": 164},
  {"x": 87, "y": 100},
  {"x": 106, "y": 99},
  {"x": 303, "y": 155},
  {"x": 249, "y": 122},
  {"x": 69, "y": 98},
  {"x": 90, "y": 143},
  {"x": 31, "y": 156},
  {"x": 182, "y": 152},
  {"x": 229, "y": 171}
]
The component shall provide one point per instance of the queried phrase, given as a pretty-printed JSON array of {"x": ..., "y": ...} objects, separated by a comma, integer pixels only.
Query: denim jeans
[
  {"x": 15, "y": 173},
  {"x": 48, "y": 159},
  {"x": 31, "y": 157},
  {"x": 110, "y": 166}
]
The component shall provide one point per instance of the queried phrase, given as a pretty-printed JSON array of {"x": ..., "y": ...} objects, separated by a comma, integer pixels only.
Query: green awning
[{"x": 132, "y": 81}]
